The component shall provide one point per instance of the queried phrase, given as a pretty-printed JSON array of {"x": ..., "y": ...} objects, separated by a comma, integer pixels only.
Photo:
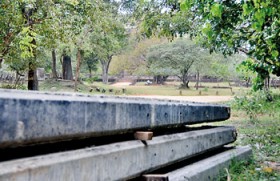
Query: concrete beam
[
  {"x": 206, "y": 169},
  {"x": 118, "y": 161},
  {"x": 31, "y": 117}
]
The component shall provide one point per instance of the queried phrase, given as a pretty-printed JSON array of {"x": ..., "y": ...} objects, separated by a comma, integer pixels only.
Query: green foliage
[
  {"x": 133, "y": 59},
  {"x": 108, "y": 39},
  {"x": 92, "y": 79},
  {"x": 216, "y": 10},
  {"x": 11, "y": 22},
  {"x": 30, "y": 28},
  {"x": 221, "y": 70},
  {"x": 205, "y": 89},
  {"x": 160, "y": 17},
  {"x": 254, "y": 104},
  {"x": 263, "y": 136},
  {"x": 26, "y": 44},
  {"x": 251, "y": 27},
  {"x": 258, "y": 83},
  {"x": 174, "y": 58},
  {"x": 21, "y": 87},
  {"x": 91, "y": 62},
  {"x": 245, "y": 70},
  {"x": 248, "y": 69},
  {"x": 231, "y": 26},
  {"x": 7, "y": 86}
]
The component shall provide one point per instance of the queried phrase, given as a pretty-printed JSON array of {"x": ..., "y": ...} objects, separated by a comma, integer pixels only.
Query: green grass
[
  {"x": 172, "y": 89},
  {"x": 263, "y": 135},
  {"x": 62, "y": 86},
  {"x": 247, "y": 171}
]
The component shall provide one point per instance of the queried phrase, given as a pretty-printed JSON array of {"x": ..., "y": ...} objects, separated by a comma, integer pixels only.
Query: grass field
[
  {"x": 170, "y": 89},
  {"x": 263, "y": 135}
]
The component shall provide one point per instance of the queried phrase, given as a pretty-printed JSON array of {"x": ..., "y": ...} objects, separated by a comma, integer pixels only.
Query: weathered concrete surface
[
  {"x": 209, "y": 168},
  {"x": 29, "y": 117},
  {"x": 118, "y": 161}
]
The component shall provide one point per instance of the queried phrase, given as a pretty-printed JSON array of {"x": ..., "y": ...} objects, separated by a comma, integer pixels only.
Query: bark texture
[
  {"x": 54, "y": 74},
  {"x": 67, "y": 73}
]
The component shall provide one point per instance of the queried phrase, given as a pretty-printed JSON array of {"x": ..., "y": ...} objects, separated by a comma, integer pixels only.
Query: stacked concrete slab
[
  {"x": 29, "y": 118},
  {"x": 37, "y": 117}
]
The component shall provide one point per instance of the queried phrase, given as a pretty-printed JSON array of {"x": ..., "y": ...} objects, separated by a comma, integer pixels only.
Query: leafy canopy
[
  {"x": 176, "y": 58},
  {"x": 248, "y": 26}
]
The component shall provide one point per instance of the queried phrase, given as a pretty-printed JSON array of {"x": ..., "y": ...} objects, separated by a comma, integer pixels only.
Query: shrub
[
  {"x": 92, "y": 79},
  {"x": 253, "y": 104}
]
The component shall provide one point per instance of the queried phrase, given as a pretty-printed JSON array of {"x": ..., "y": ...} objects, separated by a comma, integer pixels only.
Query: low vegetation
[{"x": 257, "y": 122}]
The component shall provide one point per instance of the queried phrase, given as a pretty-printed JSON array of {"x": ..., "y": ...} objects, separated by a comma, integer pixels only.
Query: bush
[
  {"x": 253, "y": 104},
  {"x": 7, "y": 86},
  {"x": 22, "y": 87},
  {"x": 92, "y": 79}
]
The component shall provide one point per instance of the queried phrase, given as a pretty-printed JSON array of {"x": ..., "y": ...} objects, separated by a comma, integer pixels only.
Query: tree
[
  {"x": 108, "y": 40},
  {"x": 175, "y": 58},
  {"x": 203, "y": 66},
  {"x": 32, "y": 25},
  {"x": 133, "y": 59},
  {"x": 251, "y": 27},
  {"x": 97, "y": 21},
  {"x": 158, "y": 17},
  {"x": 54, "y": 73},
  {"x": 78, "y": 21},
  {"x": 24, "y": 25}
]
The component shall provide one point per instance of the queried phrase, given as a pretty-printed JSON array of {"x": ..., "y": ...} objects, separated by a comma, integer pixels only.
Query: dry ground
[
  {"x": 181, "y": 98},
  {"x": 191, "y": 98}
]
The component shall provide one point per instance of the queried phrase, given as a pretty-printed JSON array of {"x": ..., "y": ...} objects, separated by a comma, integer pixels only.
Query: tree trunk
[
  {"x": 164, "y": 78},
  {"x": 32, "y": 77},
  {"x": 78, "y": 69},
  {"x": 185, "y": 81},
  {"x": 67, "y": 73},
  {"x": 157, "y": 79},
  {"x": 17, "y": 80},
  {"x": 32, "y": 71},
  {"x": 197, "y": 80},
  {"x": 32, "y": 74},
  {"x": 185, "y": 84},
  {"x": 54, "y": 74},
  {"x": 266, "y": 83},
  {"x": 90, "y": 73},
  {"x": 105, "y": 68}
]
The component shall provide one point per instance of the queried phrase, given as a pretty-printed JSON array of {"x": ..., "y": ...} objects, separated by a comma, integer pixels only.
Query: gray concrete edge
[{"x": 210, "y": 168}]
